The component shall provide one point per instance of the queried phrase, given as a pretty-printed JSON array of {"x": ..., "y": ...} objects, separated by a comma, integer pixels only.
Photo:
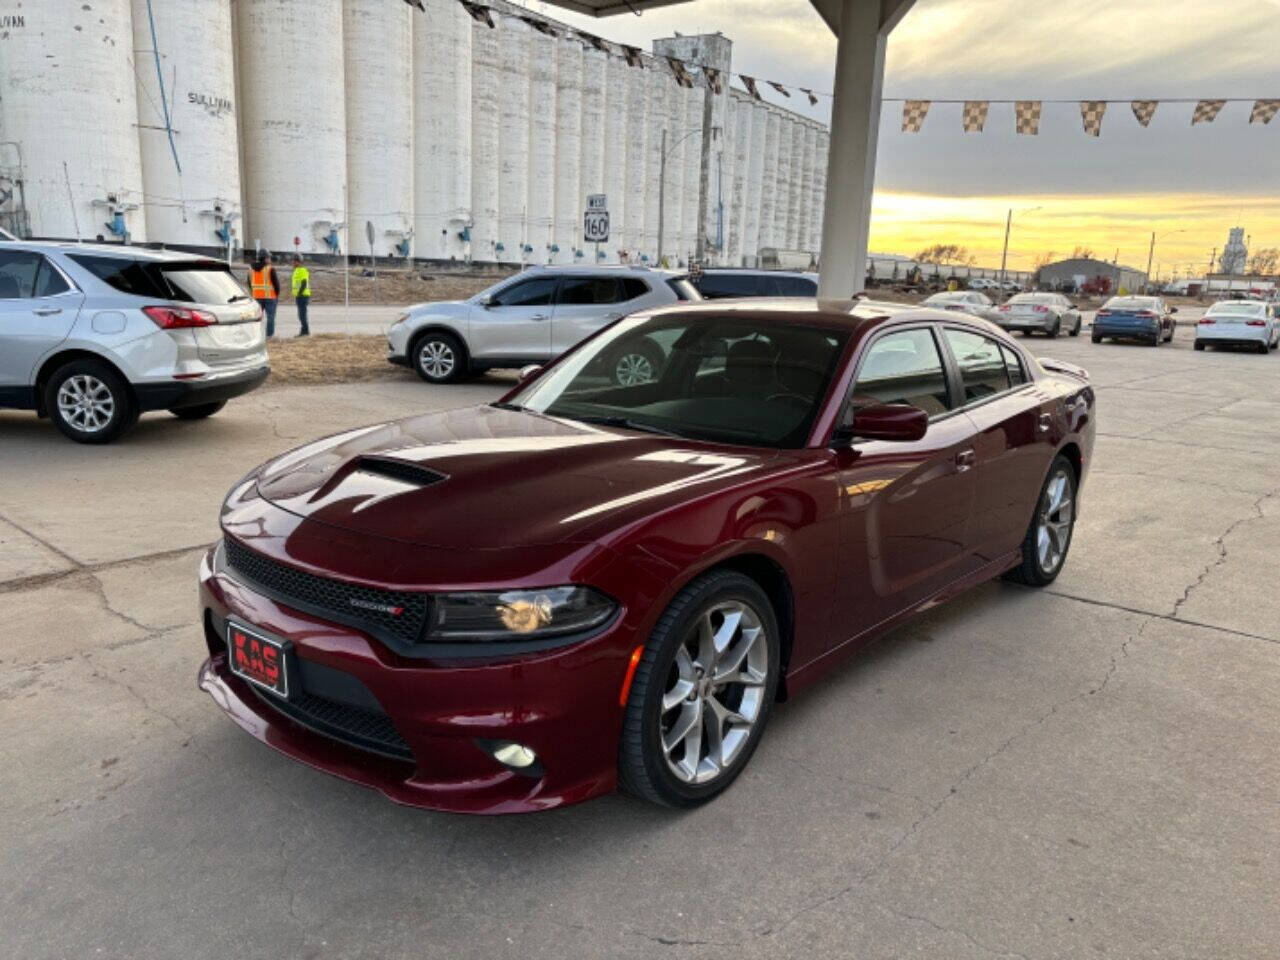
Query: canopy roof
[{"x": 607, "y": 8}]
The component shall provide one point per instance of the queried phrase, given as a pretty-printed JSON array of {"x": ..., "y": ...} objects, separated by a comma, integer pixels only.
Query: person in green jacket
[{"x": 301, "y": 293}]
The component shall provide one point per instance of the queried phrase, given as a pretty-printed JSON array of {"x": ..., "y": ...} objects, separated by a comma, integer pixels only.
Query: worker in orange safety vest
[{"x": 265, "y": 286}]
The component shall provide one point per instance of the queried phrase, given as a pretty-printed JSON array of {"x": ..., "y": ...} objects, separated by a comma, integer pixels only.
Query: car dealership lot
[{"x": 1085, "y": 770}]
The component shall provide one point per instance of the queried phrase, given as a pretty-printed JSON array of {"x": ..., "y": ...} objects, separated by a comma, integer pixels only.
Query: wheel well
[
  {"x": 437, "y": 328},
  {"x": 774, "y": 581},
  {"x": 1072, "y": 452},
  {"x": 66, "y": 356}
]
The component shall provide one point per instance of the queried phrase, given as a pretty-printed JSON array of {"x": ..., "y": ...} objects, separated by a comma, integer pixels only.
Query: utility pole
[
  {"x": 1004, "y": 257},
  {"x": 1151, "y": 253}
]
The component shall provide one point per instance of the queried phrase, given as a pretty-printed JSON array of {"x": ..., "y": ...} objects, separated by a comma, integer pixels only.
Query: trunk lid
[{"x": 210, "y": 286}]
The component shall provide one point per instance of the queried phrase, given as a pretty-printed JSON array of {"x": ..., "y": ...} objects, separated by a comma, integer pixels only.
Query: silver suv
[
  {"x": 93, "y": 335},
  {"x": 531, "y": 318}
]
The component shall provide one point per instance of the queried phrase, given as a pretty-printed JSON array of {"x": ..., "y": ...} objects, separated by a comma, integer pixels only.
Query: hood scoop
[{"x": 402, "y": 470}]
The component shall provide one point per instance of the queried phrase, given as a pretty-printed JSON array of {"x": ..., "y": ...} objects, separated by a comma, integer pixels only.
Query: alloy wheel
[
  {"x": 632, "y": 369},
  {"x": 715, "y": 692},
  {"x": 86, "y": 403},
  {"x": 1055, "y": 518},
  {"x": 437, "y": 359}
]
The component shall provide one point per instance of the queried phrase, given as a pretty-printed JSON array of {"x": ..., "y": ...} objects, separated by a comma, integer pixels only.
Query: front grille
[
  {"x": 358, "y": 728},
  {"x": 365, "y": 608}
]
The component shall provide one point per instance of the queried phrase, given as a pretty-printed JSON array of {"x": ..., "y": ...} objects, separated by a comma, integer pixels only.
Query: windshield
[
  {"x": 1237, "y": 309},
  {"x": 741, "y": 380}
]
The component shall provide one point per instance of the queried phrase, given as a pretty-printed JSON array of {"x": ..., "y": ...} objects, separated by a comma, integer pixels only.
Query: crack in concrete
[
  {"x": 943, "y": 928},
  {"x": 92, "y": 569},
  {"x": 1221, "y": 543},
  {"x": 840, "y": 778},
  {"x": 1187, "y": 419},
  {"x": 1156, "y": 615}
]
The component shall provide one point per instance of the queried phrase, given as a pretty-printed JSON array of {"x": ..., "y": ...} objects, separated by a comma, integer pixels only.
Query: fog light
[{"x": 515, "y": 756}]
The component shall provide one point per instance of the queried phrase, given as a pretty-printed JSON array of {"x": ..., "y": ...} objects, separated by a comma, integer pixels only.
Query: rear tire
[
  {"x": 1096, "y": 338},
  {"x": 90, "y": 402},
  {"x": 1199, "y": 344},
  {"x": 198, "y": 412},
  {"x": 1048, "y": 538},
  {"x": 439, "y": 357},
  {"x": 1157, "y": 339},
  {"x": 1075, "y": 331},
  {"x": 674, "y": 688},
  {"x": 1056, "y": 329},
  {"x": 637, "y": 364}
]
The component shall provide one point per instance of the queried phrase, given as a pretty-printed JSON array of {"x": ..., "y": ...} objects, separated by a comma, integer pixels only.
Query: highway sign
[
  {"x": 595, "y": 226},
  {"x": 598, "y": 202}
]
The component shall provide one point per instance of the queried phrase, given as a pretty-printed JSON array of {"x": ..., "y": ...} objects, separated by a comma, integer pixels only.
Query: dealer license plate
[{"x": 258, "y": 658}]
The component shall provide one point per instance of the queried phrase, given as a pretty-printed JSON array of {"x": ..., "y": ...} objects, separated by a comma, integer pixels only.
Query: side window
[
  {"x": 530, "y": 293},
  {"x": 982, "y": 366},
  {"x": 719, "y": 286},
  {"x": 903, "y": 368},
  {"x": 585, "y": 291},
  {"x": 18, "y": 269},
  {"x": 1017, "y": 376},
  {"x": 49, "y": 282},
  {"x": 633, "y": 287},
  {"x": 127, "y": 276},
  {"x": 796, "y": 287}
]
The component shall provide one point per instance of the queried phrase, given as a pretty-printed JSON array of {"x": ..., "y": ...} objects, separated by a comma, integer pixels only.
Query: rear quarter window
[
  {"x": 119, "y": 273},
  {"x": 796, "y": 287}
]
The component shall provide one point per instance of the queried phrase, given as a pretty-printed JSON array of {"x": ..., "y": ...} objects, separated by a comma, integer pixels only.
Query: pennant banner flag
[
  {"x": 681, "y": 74},
  {"x": 1207, "y": 111},
  {"x": 478, "y": 13},
  {"x": 1264, "y": 111},
  {"x": 813, "y": 97},
  {"x": 632, "y": 55},
  {"x": 975, "y": 115},
  {"x": 1144, "y": 110},
  {"x": 750, "y": 84},
  {"x": 780, "y": 88},
  {"x": 913, "y": 114},
  {"x": 540, "y": 25},
  {"x": 1092, "y": 112},
  {"x": 1027, "y": 116},
  {"x": 594, "y": 41},
  {"x": 715, "y": 81}
]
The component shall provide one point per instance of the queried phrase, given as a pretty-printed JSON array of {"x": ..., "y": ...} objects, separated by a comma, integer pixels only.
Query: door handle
[
  {"x": 1045, "y": 422},
  {"x": 46, "y": 311},
  {"x": 965, "y": 461},
  {"x": 540, "y": 316}
]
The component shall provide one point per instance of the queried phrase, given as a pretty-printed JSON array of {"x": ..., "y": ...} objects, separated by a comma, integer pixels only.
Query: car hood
[{"x": 484, "y": 477}]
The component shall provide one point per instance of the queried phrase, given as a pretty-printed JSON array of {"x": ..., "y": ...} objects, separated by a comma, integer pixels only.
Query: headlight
[{"x": 518, "y": 614}]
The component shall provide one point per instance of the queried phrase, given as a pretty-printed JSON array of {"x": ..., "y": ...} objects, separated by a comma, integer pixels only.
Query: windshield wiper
[
  {"x": 238, "y": 297},
  {"x": 629, "y": 424}
]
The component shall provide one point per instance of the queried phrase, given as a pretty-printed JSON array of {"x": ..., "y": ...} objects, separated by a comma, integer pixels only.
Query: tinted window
[
  {"x": 49, "y": 282},
  {"x": 684, "y": 290},
  {"x": 18, "y": 269},
  {"x": 529, "y": 293},
  {"x": 1014, "y": 367},
  {"x": 716, "y": 286},
  {"x": 796, "y": 287},
  {"x": 582, "y": 291},
  {"x": 903, "y": 368},
  {"x": 127, "y": 276},
  {"x": 981, "y": 363},
  {"x": 203, "y": 283},
  {"x": 632, "y": 288}
]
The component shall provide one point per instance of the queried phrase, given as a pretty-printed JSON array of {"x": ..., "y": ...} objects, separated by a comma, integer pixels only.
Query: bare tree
[
  {"x": 1082, "y": 253},
  {"x": 1264, "y": 262},
  {"x": 946, "y": 253}
]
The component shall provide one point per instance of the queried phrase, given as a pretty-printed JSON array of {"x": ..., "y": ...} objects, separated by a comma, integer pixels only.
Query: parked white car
[
  {"x": 1251, "y": 323},
  {"x": 531, "y": 318}
]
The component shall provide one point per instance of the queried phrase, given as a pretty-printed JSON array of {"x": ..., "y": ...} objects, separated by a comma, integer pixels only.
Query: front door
[
  {"x": 584, "y": 305},
  {"x": 515, "y": 324},
  {"x": 905, "y": 507},
  {"x": 38, "y": 308}
]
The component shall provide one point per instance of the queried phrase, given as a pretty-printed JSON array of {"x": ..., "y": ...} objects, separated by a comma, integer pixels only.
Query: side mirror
[
  {"x": 894, "y": 422},
  {"x": 1173, "y": 309},
  {"x": 530, "y": 371},
  {"x": 486, "y": 301}
]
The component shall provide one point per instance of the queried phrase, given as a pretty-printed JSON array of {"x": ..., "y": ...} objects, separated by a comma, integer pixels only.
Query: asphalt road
[{"x": 1089, "y": 770}]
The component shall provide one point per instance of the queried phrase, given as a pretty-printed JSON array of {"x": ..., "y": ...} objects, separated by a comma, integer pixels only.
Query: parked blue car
[{"x": 1149, "y": 319}]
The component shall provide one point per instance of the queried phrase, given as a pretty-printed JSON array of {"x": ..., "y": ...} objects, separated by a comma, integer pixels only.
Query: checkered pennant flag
[
  {"x": 1144, "y": 110},
  {"x": 1207, "y": 111},
  {"x": 1264, "y": 111},
  {"x": 682, "y": 75},
  {"x": 715, "y": 80},
  {"x": 780, "y": 88},
  {"x": 632, "y": 55},
  {"x": 913, "y": 114},
  {"x": 1092, "y": 112},
  {"x": 975, "y": 115},
  {"x": 1026, "y": 114},
  {"x": 813, "y": 97},
  {"x": 480, "y": 14}
]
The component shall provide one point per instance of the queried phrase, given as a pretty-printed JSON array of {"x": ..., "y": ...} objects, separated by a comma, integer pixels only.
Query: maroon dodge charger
[{"x": 587, "y": 586}]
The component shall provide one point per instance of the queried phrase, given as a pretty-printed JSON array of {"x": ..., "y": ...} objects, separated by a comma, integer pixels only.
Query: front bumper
[
  {"x": 563, "y": 704},
  {"x": 175, "y": 394}
]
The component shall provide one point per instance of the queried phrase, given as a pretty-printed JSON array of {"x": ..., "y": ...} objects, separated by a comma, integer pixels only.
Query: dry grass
[
  {"x": 395, "y": 286},
  {"x": 331, "y": 358}
]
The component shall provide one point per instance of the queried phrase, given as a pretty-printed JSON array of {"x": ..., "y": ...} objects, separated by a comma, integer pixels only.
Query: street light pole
[
  {"x": 1146, "y": 288},
  {"x": 1004, "y": 257}
]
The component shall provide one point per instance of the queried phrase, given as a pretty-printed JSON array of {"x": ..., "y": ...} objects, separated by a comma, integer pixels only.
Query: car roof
[
  {"x": 758, "y": 272},
  {"x": 587, "y": 270},
  {"x": 829, "y": 314},
  {"x": 107, "y": 250}
]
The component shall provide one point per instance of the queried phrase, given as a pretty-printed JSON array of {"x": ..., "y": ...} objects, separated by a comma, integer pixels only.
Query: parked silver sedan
[
  {"x": 965, "y": 301},
  {"x": 1049, "y": 313}
]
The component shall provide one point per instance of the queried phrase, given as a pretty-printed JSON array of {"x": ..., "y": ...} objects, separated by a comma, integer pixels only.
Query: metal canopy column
[{"x": 863, "y": 27}]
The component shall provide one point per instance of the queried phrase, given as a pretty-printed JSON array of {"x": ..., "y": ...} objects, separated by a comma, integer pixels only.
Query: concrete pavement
[{"x": 1088, "y": 770}]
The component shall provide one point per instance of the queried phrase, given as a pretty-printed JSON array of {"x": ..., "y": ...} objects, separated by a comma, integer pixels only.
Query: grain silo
[
  {"x": 798, "y": 163},
  {"x": 769, "y": 180},
  {"x": 657, "y": 81},
  {"x": 753, "y": 199},
  {"x": 486, "y": 94},
  {"x": 804, "y": 213},
  {"x": 568, "y": 151},
  {"x": 185, "y": 70},
  {"x": 694, "y": 103},
  {"x": 637, "y": 170},
  {"x": 442, "y": 160},
  {"x": 294, "y": 123},
  {"x": 615, "y": 153},
  {"x": 672, "y": 239},
  {"x": 783, "y": 210},
  {"x": 595, "y": 68},
  {"x": 820, "y": 187},
  {"x": 378, "y": 44},
  {"x": 69, "y": 117},
  {"x": 744, "y": 112},
  {"x": 542, "y": 146},
  {"x": 513, "y": 145}
]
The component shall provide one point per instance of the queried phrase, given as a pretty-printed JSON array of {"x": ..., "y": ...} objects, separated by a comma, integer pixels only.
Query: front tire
[
  {"x": 198, "y": 412},
  {"x": 636, "y": 364},
  {"x": 439, "y": 357},
  {"x": 1199, "y": 344},
  {"x": 89, "y": 402},
  {"x": 1075, "y": 331},
  {"x": 1044, "y": 548},
  {"x": 1055, "y": 330},
  {"x": 702, "y": 693}
]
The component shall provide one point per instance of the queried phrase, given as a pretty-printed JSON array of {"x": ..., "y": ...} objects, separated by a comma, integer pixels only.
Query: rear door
[
  {"x": 38, "y": 308},
  {"x": 905, "y": 507},
  {"x": 584, "y": 304},
  {"x": 239, "y": 335},
  {"x": 516, "y": 323}
]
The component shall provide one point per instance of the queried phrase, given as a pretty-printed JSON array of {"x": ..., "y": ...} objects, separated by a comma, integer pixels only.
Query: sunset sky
[{"x": 943, "y": 185}]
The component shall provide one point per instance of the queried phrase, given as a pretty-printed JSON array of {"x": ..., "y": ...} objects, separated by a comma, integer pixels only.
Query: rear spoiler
[{"x": 1061, "y": 366}]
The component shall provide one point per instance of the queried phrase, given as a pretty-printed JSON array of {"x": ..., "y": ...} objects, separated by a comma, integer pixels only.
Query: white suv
[
  {"x": 93, "y": 335},
  {"x": 531, "y": 318}
]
